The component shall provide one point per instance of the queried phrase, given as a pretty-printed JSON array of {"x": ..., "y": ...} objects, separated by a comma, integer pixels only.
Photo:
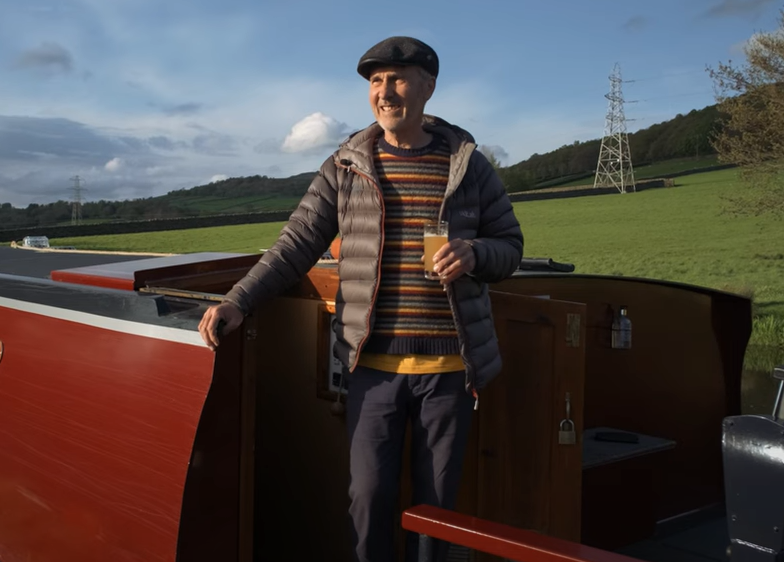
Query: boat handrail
[{"x": 494, "y": 538}]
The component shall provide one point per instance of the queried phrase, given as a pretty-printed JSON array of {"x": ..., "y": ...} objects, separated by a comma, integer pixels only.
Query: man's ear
[{"x": 430, "y": 88}]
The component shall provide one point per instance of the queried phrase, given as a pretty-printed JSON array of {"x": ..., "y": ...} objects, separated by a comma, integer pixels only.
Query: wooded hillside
[{"x": 683, "y": 136}]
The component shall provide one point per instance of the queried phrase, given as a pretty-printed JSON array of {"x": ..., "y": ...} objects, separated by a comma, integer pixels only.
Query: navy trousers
[{"x": 378, "y": 408}]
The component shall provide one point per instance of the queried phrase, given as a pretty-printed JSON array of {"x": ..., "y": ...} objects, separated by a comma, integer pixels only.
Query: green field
[
  {"x": 245, "y": 238},
  {"x": 650, "y": 171},
  {"x": 679, "y": 234}
]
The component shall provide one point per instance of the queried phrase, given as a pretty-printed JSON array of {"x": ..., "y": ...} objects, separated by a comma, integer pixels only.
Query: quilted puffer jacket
[{"x": 345, "y": 198}]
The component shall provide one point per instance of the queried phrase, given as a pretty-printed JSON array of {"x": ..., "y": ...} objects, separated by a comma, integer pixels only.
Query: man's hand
[
  {"x": 230, "y": 316},
  {"x": 455, "y": 258}
]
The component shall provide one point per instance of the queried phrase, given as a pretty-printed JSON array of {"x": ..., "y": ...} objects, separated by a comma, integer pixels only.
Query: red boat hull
[{"x": 97, "y": 421}]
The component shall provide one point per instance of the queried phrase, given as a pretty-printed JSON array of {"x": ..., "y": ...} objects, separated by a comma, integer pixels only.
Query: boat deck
[
  {"x": 704, "y": 541},
  {"x": 33, "y": 263}
]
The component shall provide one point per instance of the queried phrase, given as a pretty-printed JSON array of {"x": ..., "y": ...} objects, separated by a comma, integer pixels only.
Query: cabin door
[{"x": 525, "y": 477}]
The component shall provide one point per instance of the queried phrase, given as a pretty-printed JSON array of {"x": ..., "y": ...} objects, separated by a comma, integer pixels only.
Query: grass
[
  {"x": 245, "y": 238},
  {"x": 653, "y": 170},
  {"x": 678, "y": 234},
  {"x": 766, "y": 348}
]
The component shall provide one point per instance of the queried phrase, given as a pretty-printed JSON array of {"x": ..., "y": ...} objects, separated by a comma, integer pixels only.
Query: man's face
[{"x": 398, "y": 95}]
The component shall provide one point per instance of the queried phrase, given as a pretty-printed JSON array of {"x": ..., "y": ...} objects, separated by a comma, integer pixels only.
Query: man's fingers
[
  {"x": 204, "y": 328},
  {"x": 445, "y": 250},
  {"x": 208, "y": 327},
  {"x": 213, "y": 328},
  {"x": 452, "y": 272},
  {"x": 455, "y": 259}
]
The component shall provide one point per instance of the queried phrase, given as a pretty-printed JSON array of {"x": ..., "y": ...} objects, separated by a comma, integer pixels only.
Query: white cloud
[
  {"x": 316, "y": 131},
  {"x": 113, "y": 165},
  {"x": 498, "y": 152},
  {"x": 218, "y": 177}
]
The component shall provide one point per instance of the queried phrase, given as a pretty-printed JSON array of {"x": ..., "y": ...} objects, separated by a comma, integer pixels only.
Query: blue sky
[{"x": 141, "y": 97}]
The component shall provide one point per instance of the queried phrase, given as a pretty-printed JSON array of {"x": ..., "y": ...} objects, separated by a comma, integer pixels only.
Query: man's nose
[{"x": 387, "y": 88}]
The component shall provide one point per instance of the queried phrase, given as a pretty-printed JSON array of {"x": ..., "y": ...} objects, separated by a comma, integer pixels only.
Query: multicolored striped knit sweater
[{"x": 412, "y": 313}]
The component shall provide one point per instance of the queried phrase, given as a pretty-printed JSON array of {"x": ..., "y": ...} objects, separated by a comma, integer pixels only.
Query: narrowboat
[{"x": 124, "y": 438}]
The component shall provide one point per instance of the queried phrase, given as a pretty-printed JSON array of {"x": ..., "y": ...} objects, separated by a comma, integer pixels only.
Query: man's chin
[{"x": 389, "y": 125}]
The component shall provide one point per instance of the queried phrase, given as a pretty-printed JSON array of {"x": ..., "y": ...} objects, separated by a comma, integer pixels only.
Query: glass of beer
[{"x": 436, "y": 235}]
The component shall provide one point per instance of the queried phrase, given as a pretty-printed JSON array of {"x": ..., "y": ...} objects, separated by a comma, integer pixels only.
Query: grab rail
[{"x": 497, "y": 539}]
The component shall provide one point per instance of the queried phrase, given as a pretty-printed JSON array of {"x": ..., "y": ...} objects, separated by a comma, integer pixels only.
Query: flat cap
[{"x": 399, "y": 51}]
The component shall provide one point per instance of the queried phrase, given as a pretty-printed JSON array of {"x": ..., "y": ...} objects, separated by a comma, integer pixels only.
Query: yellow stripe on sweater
[{"x": 412, "y": 364}]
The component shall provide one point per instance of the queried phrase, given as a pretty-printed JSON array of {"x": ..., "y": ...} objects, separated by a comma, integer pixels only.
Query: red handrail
[{"x": 501, "y": 540}]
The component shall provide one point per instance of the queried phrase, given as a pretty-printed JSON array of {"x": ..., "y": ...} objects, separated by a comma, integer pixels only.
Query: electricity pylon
[{"x": 614, "y": 168}]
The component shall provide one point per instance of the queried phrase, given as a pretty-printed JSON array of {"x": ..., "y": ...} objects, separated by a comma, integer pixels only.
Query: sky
[{"x": 141, "y": 97}]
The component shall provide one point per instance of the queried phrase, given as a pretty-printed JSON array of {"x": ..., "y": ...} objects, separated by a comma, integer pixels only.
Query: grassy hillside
[
  {"x": 679, "y": 234},
  {"x": 682, "y": 137},
  {"x": 649, "y": 171}
]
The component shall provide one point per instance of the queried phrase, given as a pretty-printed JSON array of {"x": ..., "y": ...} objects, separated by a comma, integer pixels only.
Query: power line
[
  {"x": 676, "y": 96},
  {"x": 660, "y": 76}
]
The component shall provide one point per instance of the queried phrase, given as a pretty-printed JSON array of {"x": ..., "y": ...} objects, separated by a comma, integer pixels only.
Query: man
[{"x": 418, "y": 351}]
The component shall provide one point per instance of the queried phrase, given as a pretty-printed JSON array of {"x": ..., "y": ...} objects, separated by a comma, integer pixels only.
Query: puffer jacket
[{"x": 345, "y": 197}]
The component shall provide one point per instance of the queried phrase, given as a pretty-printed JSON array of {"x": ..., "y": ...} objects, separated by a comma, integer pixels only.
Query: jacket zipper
[
  {"x": 456, "y": 314},
  {"x": 350, "y": 170}
]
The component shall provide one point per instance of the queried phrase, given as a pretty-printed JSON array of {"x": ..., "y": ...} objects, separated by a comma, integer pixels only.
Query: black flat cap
[{"x": 399, "y": 51}]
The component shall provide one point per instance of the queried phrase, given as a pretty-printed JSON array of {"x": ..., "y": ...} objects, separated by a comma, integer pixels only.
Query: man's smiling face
[{"x": 398, "y": 95}]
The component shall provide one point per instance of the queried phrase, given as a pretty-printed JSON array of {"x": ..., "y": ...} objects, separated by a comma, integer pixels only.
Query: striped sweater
[{"x": 412, "y": 313}]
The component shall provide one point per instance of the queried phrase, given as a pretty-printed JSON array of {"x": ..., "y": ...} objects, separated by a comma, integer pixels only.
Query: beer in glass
[{"x": 436, "y": 235}]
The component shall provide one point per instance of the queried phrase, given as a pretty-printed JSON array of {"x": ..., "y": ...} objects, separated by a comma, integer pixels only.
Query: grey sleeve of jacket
[
  {"x": 307, "y": 235},
  {"x": 499, "y": 244}
]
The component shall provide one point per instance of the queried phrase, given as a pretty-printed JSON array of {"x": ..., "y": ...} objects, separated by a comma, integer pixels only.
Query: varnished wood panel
[
  {"x": 205, "y": 271},
  {"x": 320, "y": 283},
  {"x": 210, "y": 524},
  {"x": 516, "y": 439},
  {"x": 525, "y": 478},
  {"x": 248, "y": 334},
  {"x": 301, "y": 486},
  {"x": 679, "y": 380}
]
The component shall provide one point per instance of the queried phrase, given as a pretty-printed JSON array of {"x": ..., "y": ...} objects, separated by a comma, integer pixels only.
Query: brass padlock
[{"x": 566, "y": 433}]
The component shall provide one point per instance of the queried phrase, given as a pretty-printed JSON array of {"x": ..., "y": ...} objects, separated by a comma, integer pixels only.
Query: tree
[
  {"x": 489, "y": 153},
  {"x": 751, "y": 100}
]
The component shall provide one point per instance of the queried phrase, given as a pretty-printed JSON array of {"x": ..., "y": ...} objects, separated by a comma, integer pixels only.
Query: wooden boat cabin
[{"x": 123, "y": 438}]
